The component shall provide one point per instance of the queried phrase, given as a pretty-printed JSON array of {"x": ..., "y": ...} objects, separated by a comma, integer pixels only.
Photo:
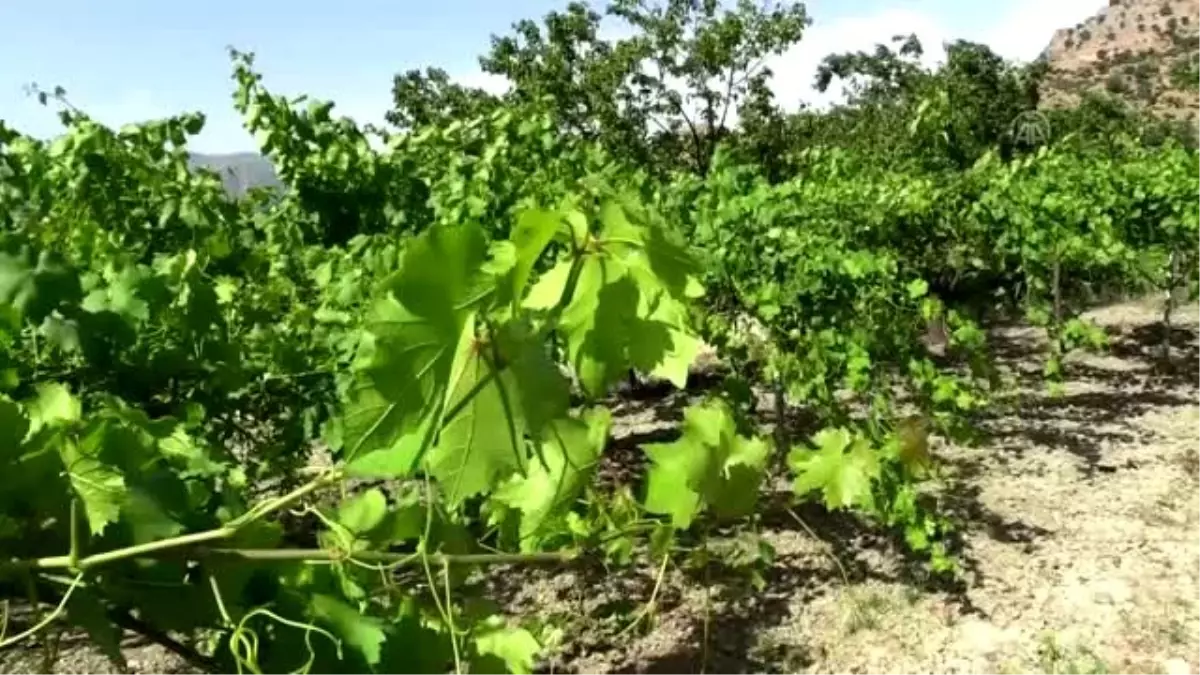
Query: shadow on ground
[
  {"x": 1086, "y": 423},
  {"x": 1144, "y": 344},
  {"x": 1094, "y": 417}
]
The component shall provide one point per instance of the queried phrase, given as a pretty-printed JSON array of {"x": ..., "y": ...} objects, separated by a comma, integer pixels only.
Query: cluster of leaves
[
  {"x": 122, "y": 276},
  {"x": 841, "y": 312},
  {"x": 844, "y": 267}
]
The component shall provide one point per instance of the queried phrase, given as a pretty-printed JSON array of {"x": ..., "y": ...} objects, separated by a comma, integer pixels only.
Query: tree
[
  {"x": 945, "y": 117},
  {"x": 663, "y": 97},
  {"x": 430, "y": 97}
]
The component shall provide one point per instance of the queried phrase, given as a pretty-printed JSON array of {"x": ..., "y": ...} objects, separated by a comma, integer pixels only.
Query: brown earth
[
  {"x": 1080, "y": 549},
  {"x": 1136, "y": 49}
]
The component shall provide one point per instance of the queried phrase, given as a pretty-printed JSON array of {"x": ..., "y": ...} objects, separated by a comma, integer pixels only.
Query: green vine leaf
[
  {"x": 534, "y": 231},
  {"x": 498, "y": 644},
  {"x": 418, "y": 325},
  {"x": 100, "y": 487},
  {"x": 621, "y": 315},
  {"x": 52, "y": 406},
  {"x": 362, "y": 632},
  {"x": 570, "y": 448},
  {"x": 842, "y": 468},
  {"x": 484, "y": 443},
  {"x": 541, "y": 388},
  {"x": 363, "y": 512},
  {"x": 709, "y": 466}
]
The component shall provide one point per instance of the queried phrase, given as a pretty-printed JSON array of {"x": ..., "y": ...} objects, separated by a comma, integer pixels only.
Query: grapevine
[{"x": 310, "y": 414}]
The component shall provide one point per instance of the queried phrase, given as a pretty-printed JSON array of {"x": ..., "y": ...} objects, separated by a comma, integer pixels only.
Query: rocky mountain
[
  {"x": 1145, "y": 51},
  {"x": 240, "y": 171}
]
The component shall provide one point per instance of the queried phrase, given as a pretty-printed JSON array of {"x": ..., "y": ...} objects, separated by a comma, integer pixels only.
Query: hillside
[
  {"x": 240, "y": 171},
  {"x": 1144, "y": 51}
]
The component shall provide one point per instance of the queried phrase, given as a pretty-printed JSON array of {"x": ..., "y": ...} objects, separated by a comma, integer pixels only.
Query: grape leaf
[
  {"x": 514, "y": 648},
  {"x": 484, "y": 443},
  {"x": 404, "y": 522},
  {"x": 542, "y": 389},
  {"x": 710, "y": 465},
  {"x": 417, "y": 327},
  {"x": 52, "y": 406},
  {"x": 570, "y": 448},
  {"x": 535, "y": 229},
  {"x": 100, "y": 487},
  {"x": 122, "y": 296},
  {"x": 548, "y": 289},
  {"x": 673, "y": 267},
  {"x": 842, "y": 468},
  {"x": 736, "y": 494},
  {"x": 146, "y": 518},
  {"x": 362, "y": 632},
  {"x": 621, "y": 315},
  {"x": 363, "y": 512}
]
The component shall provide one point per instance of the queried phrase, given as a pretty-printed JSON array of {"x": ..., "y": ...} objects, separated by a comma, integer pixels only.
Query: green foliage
[
  {"x": 423, "y": 99},
  {"x": 711, "y": 467},
  {"x": 434, "y": 358},
  {"x": 842, "y": 468},
  {"x": 304, "y": 414},
  {"x": 947, "y": 117},
  {"x": 664, "y": 97}
]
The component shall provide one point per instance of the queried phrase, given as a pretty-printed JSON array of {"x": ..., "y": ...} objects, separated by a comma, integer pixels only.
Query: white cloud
[
  {"x": 1026, "y": 28},
  {"x": 794, "y": 70},
  {"x": 1021, "y": 32},
  {"x": 494, "y": 84}
]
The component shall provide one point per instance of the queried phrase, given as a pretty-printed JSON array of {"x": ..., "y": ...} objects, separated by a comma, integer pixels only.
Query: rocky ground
[{"x": 1081, "y": 550}]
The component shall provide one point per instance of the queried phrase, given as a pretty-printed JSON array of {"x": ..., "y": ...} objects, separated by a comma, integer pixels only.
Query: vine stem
[
  {"x": 46, "y": 620},
  {"x": 652, "y": 602},
  {"x": 184, "y": 541},
  {"x": 394, "y": 558},
  {"x": 316, "y": 555}
]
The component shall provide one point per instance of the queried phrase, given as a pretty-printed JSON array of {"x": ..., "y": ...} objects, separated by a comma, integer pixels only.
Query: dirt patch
[
  {"x": 1080, "y": 517},
  {"x": 1080, "y": 521}
]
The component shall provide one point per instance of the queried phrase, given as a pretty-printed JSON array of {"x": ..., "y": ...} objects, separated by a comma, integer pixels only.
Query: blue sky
[{"x": 129, "y": 60}]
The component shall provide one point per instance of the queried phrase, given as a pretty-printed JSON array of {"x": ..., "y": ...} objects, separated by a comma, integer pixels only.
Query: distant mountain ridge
[{"x": 240, "y": 171}]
